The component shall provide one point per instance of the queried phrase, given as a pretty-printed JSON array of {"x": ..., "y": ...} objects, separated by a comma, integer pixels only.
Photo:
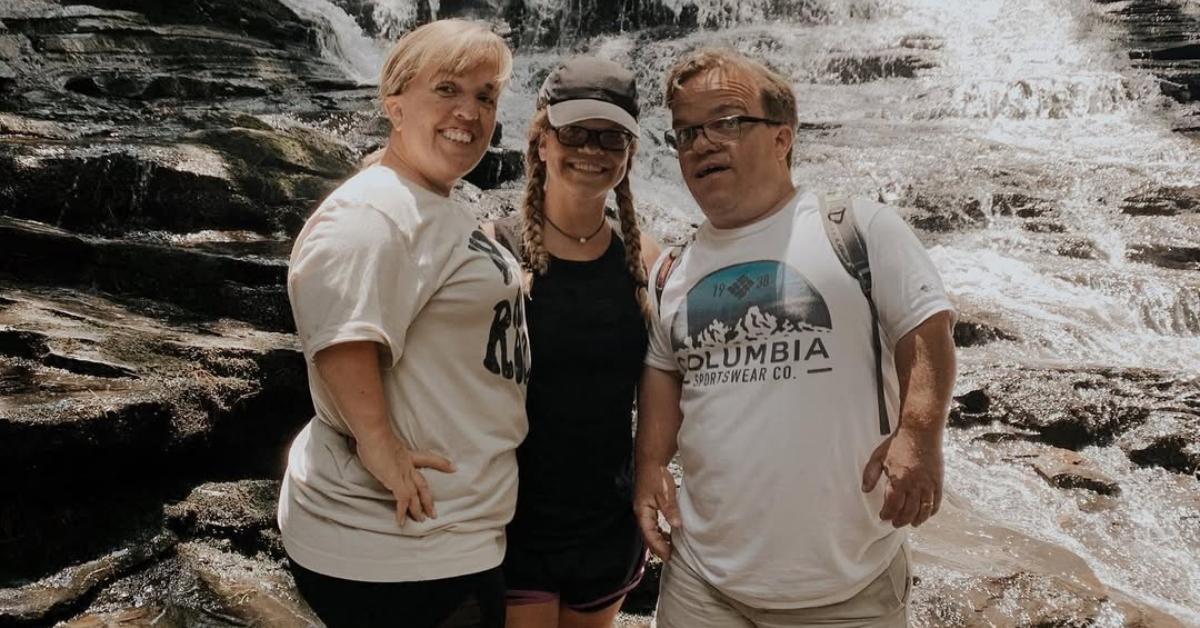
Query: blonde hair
[
  {"x": 533, "y": 214},
  {"x": 452, "y": 46},
  {"x": 778, "y": 99}
]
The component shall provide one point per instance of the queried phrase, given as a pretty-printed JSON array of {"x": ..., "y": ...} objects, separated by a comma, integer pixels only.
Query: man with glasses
[{"x": 761, "y": 373}]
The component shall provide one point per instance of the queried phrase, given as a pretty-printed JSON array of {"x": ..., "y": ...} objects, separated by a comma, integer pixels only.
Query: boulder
[
  {"x": 242, "y": 512},
  {"x": 252, "y": 592},
  {"x": 1064, "y": 468},
  {"x": 1164, "y": 201},
  {"x": 498, "y": 167},
  {"x": 1166, "y": 256},
  {"x": 43, "y": 601}
]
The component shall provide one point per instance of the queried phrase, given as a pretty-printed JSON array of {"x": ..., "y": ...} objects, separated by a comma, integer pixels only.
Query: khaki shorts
[{"x": 685, "y": 600}]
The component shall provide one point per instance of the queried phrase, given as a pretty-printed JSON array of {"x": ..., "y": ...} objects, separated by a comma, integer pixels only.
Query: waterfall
[{"x": 342, "y": 41}]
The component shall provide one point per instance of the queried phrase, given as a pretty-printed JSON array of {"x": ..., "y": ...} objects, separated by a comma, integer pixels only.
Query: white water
[{"x": 1030, "y": 96}]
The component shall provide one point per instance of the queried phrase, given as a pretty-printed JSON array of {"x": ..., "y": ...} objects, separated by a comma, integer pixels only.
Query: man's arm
[
  {"x": 912, "y": 456},
  {"x": 659, "y": 418}
]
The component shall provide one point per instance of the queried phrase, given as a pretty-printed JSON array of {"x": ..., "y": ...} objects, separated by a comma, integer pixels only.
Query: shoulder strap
[
  {"x": 837, "y": 217},
  {"x": 665, "y": 265},
  {"x": 508, "y": 234}
]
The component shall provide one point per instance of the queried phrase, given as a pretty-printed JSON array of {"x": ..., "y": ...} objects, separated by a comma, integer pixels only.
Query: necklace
[{"x": 580, "y": 239}]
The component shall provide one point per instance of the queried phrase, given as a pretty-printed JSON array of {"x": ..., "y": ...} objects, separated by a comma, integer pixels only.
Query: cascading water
[{"x": 957, "y": 107}]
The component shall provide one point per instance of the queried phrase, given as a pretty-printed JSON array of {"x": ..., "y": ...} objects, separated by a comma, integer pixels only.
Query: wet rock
[
  {"x": 1020, "y": 204},
  {"x": 1044, "y": 226},
  {"x": 149, "y": 616},
  {"x": 1072, "y": 408},
  {"x": 253, "y": 592},
  {"x": 1080, "y": 249},
  {"x": 498, "y": 166},
  {"x": 237, "y": 511},
  {"x": 102, "y": 450},
  {"x": 296, "y": 150},
  {"x": 1170, "y": 452},
  {"x": 266, "y": 19},
  {"x": 1168, "y": 201},
  {"x": 115, "y": 85},
  {"x": 971, "y": 571},
  {"x": 864, "y": 69},
  {"x": 970, "y": 409},
  {"x": 977, "y": 327},
  {"x": 940, "y": 213},
  {"x": 922, "y": 41},
  {"x": 249, "y": 289},
  {"x": 48, "y": 599},
  {"x": 1166, "y": 256},
  {"x": 1066, "y": 469},
  {"x": 1170, "y": 439},
  {"x": 1161, "y": 37},
  {"x": 115, "y": 189}
]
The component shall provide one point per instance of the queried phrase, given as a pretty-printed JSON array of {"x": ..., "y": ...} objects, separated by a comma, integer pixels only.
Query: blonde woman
[
  {"x": 412, "y": 321},
  {"x": 574, "y": 548}
]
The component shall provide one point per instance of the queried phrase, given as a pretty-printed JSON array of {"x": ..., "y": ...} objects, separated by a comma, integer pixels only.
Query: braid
[
  {"x": 533, "y": 206},
  {"x": 632, "y": 236}
]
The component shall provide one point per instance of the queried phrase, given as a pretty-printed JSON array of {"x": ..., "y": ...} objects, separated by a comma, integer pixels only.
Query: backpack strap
[
  {"x": 837, "y": 217},
  {"x": 663, "y": 267}
]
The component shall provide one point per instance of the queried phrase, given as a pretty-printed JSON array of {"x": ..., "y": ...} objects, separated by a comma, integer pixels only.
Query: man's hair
[
  {"x": 778, "y": 99},
  {"x": 448, "y": 46}
]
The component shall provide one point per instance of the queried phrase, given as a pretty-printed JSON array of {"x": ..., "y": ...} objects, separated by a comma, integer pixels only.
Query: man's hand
[
  {"x": 912, "y": 460},
  {"x": 654, "y": 493},
  {"x": 390, "y": 461}
]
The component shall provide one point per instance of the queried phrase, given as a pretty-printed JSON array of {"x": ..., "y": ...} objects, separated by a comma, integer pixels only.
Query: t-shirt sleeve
[
  {"x": 659, "y": 353},
  {"x": 905, "y": 284},
  {"x": 352, "y": 278}
]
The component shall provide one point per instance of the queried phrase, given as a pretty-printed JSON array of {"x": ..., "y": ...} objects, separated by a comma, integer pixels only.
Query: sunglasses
[{"x": 608, "y": 139}]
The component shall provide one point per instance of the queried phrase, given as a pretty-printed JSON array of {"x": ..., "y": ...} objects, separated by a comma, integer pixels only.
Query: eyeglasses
[
  {"x": 719, "y": 131},
  {"x": 608, "y": 139}
]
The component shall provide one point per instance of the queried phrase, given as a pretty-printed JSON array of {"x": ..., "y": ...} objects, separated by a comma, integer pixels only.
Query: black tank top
[{"x": 587, "y": 338}]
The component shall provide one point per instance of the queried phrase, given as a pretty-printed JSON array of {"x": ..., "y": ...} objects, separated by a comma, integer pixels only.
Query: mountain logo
[{"x": 748, "y": 302}]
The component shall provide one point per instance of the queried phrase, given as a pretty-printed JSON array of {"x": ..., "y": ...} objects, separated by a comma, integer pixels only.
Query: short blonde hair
[
  {"x": 778, "y": 99},
  {"x": 453, "y": 47}
]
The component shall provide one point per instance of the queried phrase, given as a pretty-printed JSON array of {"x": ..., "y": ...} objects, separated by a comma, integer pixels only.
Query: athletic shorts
[
  {"x": 470, "y": 601},
  {"x": 587, "y": 577}
]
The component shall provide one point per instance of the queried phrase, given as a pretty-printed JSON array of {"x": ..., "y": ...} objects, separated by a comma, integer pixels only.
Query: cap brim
[{"x": 572, "y": 111}]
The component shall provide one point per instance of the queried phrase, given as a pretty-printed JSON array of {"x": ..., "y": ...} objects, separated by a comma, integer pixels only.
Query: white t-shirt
[
  {"x": 387, "y": 261},
  {"x": 772, "y": 338}
]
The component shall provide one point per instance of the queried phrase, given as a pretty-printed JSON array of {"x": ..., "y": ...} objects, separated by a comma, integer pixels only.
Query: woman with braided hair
[{"x": 574, "y": 549}]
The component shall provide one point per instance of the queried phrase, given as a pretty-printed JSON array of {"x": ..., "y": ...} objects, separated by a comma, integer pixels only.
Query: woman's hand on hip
[{"x": 397, "y": 467}]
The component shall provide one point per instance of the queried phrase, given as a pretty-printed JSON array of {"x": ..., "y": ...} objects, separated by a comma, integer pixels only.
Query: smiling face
[
  {"x": 442, "y": 124},
  {"x": 586, "y": 171},
  {"x": 735, "y": 182}
]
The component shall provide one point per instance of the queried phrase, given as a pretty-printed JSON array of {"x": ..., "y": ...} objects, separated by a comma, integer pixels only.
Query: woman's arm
[{"x": 351, "y": 372}]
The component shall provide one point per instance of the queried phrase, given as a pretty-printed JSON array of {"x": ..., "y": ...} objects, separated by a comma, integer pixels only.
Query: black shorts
[
  {"x": 470, "y": 601},
  {"x": 587, "y": 577}
]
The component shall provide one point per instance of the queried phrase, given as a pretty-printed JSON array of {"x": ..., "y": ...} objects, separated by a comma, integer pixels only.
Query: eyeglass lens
[{"x": 608, "y": 139}]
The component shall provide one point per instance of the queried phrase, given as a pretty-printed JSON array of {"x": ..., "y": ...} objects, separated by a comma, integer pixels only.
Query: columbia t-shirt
[
  {"x": 387, "y": 261},
  {"x": 772, "y": 339}
]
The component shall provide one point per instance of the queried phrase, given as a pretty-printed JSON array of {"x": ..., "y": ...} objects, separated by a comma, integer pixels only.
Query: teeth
[
  {"x": 456, "y": 135},
  {"x": 587, "y": 167}
]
